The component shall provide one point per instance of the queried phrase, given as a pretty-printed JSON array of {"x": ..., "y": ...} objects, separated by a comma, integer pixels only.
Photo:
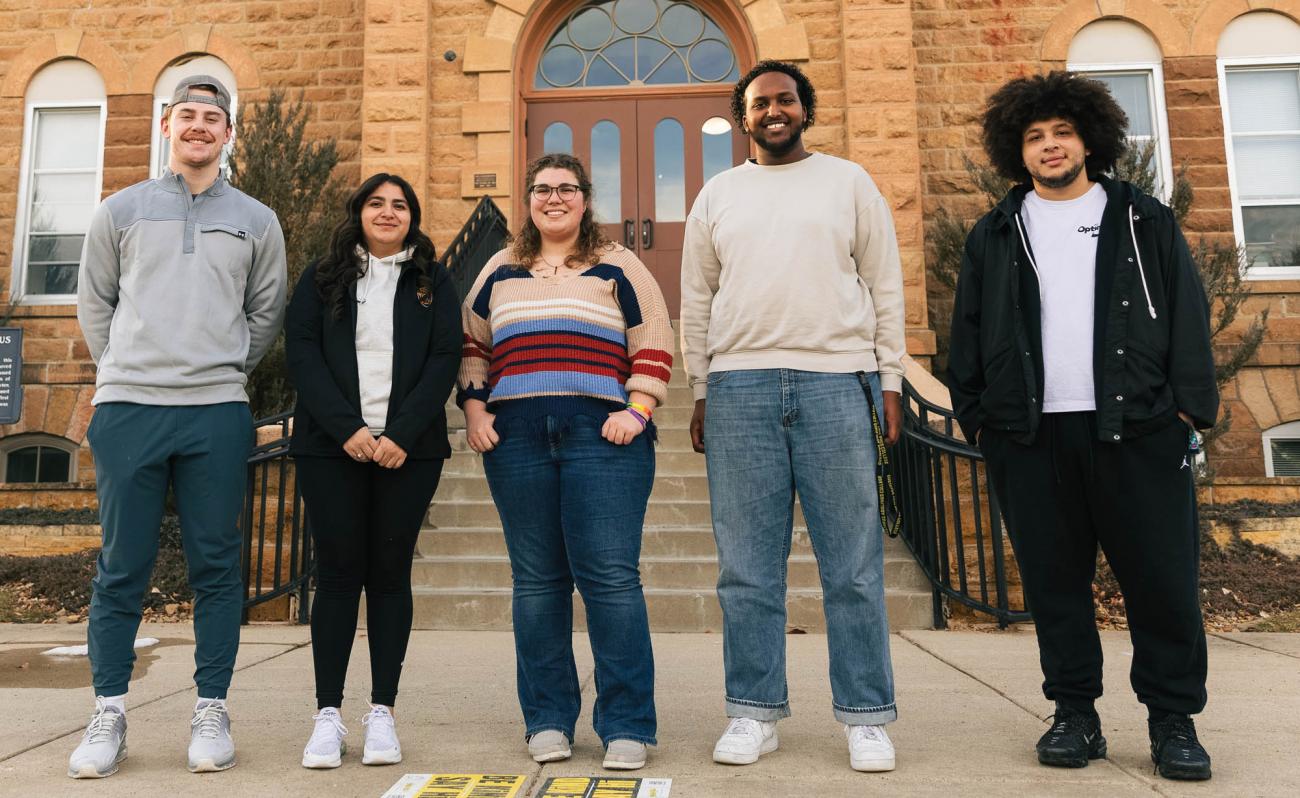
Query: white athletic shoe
[
  {"x": 103, "y": 745},
  {"x": 870, "y": 749},
  {"x": 745, "y": 740},
  {"x": 382, "y": 747},
  {"x": 211, "y": 747},
  {"x": 624, "y": 755},
  {"x": 326, "y": 748},
  {"x": 549, "y": 745}
]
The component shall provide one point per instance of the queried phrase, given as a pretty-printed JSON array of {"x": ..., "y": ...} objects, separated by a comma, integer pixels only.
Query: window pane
[
  {"x": 671, "y": 71},
  {"x": 591, "y": 28},
  {"x": 670, "y": 171},
  {"x": 1264, "y": 100},
  {"x": 62, "y": 203},
  {"x": 606, "y": 175},
  {"x": 681, "y": 25},
  {"x": 1272, "y": 234},
  {"x": 622, "y": 55},
  {"x": 54, "y": 249},
  {"x": 46, "y": 279},
  {"x": 716, "y": 140},
  {"x": 711, "y": 60},
  {"x": 558, "y": 138},
  {"x": 1286, "y": 457},
  {"x": 635, "y": 16},
  {"x": 21, "y": 465},
  {"x": 1133, "y": 93},
  {"x": 561, "y": 66},
  {"x": 62, "y": 137},
  {"x": 54, "y": 465},
  {"x": 1268, "y": 167}
]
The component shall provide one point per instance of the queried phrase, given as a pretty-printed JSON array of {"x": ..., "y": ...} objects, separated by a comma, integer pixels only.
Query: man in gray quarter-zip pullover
[{"x": 180, "y": 293}]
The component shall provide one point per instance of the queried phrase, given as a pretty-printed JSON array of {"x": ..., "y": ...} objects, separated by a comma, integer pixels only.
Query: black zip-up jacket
[
  {"x": 322, "y": 358},
  {"x": 1151, "y": 354}
]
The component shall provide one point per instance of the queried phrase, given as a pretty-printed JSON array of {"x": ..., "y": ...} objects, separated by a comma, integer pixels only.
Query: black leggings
[{"x": 364, "y": 523}]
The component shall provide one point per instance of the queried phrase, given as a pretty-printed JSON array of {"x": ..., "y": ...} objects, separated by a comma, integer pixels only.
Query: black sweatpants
[
  {"x": 364, "y": 524},
  {"x": 1061, "y": 497}
]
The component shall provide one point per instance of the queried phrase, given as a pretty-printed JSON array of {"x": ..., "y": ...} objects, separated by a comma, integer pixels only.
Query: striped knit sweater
[{"x": 596, "y": 335}]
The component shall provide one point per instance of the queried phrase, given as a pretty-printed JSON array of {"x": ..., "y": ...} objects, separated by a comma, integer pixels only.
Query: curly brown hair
[
  {"x": 1087, "y": 104},
  {"x": 526, "y": 246},
  {"x": 804, "y": 87}
]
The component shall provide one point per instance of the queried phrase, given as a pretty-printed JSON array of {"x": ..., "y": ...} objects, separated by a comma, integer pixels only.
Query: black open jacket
[
  {"x": 1151, "y": 359},
  {"x": 322, "y": 359}
]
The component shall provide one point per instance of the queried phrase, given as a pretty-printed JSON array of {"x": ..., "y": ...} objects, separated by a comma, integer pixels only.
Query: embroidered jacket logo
[{"x": 1094, "y": 229}]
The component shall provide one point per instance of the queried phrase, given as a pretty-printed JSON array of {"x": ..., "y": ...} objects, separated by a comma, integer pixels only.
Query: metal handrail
[
  {"x": 273, "y": 517},
  {"x": 482, "y": 235},
  {"x": 949, "y": 507}
]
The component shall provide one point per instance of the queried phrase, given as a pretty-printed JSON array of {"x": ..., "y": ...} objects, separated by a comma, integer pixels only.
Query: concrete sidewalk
[{"x": 970, "y": 709}]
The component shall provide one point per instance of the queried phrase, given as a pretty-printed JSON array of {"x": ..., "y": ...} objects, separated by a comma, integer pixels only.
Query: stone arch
[
  {"x": 1168, "y": 32},
  {"x": 194, "y": 39},
  {"x": 1216, "y": 15},
  {"x": 65, "y": 44},
  {"x": 494, "y": 56}
]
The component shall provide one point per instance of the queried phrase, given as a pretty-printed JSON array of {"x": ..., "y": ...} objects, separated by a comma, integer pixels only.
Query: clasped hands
[
  {"x": 620, "y": 428},
  {"x": 366, "y": 448}
]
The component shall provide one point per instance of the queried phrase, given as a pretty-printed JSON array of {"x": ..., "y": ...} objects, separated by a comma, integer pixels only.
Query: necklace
[{"x": 554, "y": 269}]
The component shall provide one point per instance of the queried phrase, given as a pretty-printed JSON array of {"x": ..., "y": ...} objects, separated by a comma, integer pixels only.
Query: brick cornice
[
  {"x": 1217, "y": 14},
  {"x": 1168, "y": 32},
  {"x": 65, "y": 44}
]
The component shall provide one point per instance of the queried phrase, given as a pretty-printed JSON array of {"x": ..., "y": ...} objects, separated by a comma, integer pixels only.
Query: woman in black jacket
[{"x": 373, "y": 344}]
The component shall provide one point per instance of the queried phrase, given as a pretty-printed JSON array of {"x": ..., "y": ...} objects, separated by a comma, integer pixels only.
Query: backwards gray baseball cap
[{"x": 183, "y": 94}]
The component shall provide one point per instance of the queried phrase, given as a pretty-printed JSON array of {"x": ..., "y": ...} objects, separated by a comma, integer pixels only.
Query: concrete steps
[{"x": 462, "y": 579}]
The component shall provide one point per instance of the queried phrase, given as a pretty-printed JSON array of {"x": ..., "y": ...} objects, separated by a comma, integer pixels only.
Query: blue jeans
[
  {"x": 572, "y": 506},
  {"x": 767, "y": 434}
]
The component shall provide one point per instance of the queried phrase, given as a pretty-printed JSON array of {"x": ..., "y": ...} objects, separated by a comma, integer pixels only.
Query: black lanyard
[{"x": 891, "y": 520}]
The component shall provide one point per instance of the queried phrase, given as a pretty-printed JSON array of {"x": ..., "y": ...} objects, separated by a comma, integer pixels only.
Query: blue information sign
[{"x": 11, "y": 375}]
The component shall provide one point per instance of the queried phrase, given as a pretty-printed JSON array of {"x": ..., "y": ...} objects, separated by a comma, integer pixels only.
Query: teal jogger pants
[{"x": 201, "y": 451}]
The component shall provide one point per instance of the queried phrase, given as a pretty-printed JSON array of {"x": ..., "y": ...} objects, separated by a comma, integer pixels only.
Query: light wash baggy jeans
[{"x": 767, "y": 434}]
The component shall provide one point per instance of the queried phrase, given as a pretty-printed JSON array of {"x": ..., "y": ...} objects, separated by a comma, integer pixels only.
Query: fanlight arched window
[{"x": 636, "y": 43}]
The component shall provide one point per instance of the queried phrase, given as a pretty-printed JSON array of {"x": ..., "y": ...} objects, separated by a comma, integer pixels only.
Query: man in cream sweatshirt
[
  {"x": 180, "y": 294},
  {"x": 792, "y": 330}
]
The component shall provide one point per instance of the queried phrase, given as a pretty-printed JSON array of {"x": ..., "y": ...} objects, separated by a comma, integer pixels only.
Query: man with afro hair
[{"x": 1080, "y": 364}]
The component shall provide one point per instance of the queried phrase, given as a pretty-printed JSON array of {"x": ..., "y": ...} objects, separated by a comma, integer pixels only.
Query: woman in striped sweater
[{"x": 567, "y": 354}]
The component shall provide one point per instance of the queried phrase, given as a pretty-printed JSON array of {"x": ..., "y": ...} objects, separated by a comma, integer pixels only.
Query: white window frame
[
  {"x": 1288, "y": 431},
  {"x": 18, "y": 274},
  {"x": 1238, "y": 227},
  {"x": 1159, "y": 117}
]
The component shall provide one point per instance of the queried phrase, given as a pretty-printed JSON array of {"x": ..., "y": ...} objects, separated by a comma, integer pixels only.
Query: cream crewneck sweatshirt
[{"x": 792, "y": 266}]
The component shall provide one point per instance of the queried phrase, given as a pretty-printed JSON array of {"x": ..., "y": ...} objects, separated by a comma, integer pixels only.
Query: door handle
[
  {"x": 647, "y": 234},
  {"x": 629, "y": 234}
]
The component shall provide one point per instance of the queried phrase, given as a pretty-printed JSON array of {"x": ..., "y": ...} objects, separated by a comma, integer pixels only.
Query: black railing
[
  {"x": 277, "y": 556},
  {"x": 951, "y": 520},
  {"x": 483, "y": 234}
]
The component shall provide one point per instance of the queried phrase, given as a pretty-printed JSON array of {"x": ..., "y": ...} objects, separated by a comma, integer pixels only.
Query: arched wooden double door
[{"x": 640, "y": 91}]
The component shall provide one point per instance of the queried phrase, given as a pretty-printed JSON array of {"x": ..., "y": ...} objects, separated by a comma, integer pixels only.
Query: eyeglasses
[{"x": 567, "y": 191}]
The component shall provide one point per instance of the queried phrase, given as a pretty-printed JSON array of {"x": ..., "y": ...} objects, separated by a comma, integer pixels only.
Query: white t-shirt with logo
[{"x": 1063, "y": 237}]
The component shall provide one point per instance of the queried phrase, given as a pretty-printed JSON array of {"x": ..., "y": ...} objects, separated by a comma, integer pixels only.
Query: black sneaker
[
  {"x": 1175, "y": 750},
  {"x": 1075, "y": 737}
]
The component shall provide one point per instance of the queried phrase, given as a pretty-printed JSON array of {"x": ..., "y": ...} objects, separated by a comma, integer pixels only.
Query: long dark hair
[
  {"x": 1085, "y": 103},
  {"x": 527, "y": 245},
  {"x": 339, "y": 270}
]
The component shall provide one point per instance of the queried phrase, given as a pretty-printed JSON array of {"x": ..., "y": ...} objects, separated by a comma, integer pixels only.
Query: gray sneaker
[
  {"x": 624, "y": 755},
  {"x": 211, "y": 748},
  {"x": 103, "y": 745},
  {"x": 549, "y": 745}
]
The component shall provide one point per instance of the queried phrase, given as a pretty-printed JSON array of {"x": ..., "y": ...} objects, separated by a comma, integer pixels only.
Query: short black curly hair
[
  {"x": 1085, "y": 103},
  {"x": 807, "y": 95}
]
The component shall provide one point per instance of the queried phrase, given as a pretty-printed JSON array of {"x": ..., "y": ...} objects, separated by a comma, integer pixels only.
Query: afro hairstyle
[
  {"x": 807, "y": 95},
  {"x": 1086, "y": 104}
]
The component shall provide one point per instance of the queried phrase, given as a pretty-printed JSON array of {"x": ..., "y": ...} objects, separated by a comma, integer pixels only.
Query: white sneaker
[
  {"x": 103, "y": 745},
  {"x": 870, "y": 749},
  {"x": 745, "y": 740},
  {"x": 326, "y": 748},
  {"x": 382, "y": 747},
  {"x": 549, "y": 745},
  {"x": 211, "y": 747}
]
